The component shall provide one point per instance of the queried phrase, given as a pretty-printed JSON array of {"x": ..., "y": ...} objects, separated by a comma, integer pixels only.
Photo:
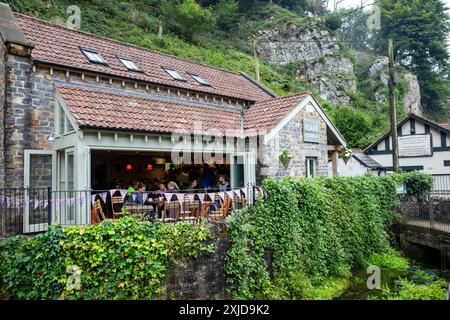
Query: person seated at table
[
  {"x": 140, "y": 193},
  {"x": 171, "y": 185},
  {"x": 207, "y": 177},
  {"x": 194, "y": 185},
  {"x": 222, "y": 184}
]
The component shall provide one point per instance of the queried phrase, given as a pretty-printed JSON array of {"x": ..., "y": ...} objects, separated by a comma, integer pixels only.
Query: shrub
[
  {"x": 125, "y": 259},
  {"x": 418, "y": 184},
  {"x": 316, "y": 229}
]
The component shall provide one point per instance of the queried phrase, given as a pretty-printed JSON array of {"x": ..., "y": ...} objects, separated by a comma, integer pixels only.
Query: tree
[
  {"x": 419, "y": 29},
  {"x": 227, "y": 12},
  {"x": 354, "y": 29},
  {"x": 186, "y": 18}
]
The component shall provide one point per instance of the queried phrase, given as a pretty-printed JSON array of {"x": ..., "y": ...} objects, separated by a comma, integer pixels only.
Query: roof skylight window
[
  {"x": 129, "y": 64},
  {"x": 174, "y": 74},
  {"x": 200, "y": 80},
  {"x": 93, "y": 56}
]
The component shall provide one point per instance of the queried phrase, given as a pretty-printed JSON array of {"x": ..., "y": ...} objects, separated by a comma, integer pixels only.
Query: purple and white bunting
[
  {"x": 201, "y": 197},
  {"x": 111, "y": 192},
  {"x": 180, "y": 197},
  {"x": 123, "y": 193},
  {"x": 168, "y": 196}
]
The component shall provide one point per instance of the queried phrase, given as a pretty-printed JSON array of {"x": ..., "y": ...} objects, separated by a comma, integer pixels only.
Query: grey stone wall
[
  {"x": 29, "y": 115},
  {"x": 202, "y": 278},
  {"x": 2, "y": 109},
  {"x": 290, "y": 137}
]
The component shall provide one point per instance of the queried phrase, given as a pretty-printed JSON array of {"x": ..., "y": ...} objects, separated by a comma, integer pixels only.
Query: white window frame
[
  {"x": 130, "y": 64},
  {"x": 200, "y": 80},
  {"x": 26, "y": 218},
  {"x": 308, "y": 162},
  {"x": 174, "y": 74},
  {"x": 93, "y": 56},
  {"x": 60, "y": 107}
]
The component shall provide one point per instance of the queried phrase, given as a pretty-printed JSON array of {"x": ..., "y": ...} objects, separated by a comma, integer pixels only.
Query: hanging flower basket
[
  {"x": 346, "y": 154},
  {"x": 285, "y": 158}
]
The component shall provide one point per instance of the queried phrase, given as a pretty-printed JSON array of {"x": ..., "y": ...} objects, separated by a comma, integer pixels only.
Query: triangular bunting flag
[
  {"x": 123, "y": 193},
  {"x": 93, "y": 198},
  {"x": 191, "y": 197},
  {"x": 45, "y": 204},
  {"x": 103, "y": 196},
  {"x": 244, "y": 190},
  {"x": 180, "y": 197},
  {"x": 168, "y": 196},
  {"x": 70, "y": 202},
  {"x": 133, "y": 196},
  {"x": 212, "y": 195},
  {"x": 230, "y": 194},
  {"x": 80, "y": 199},
  {"x": 111, "y": 192},
  {"x": 36, "y": 204},
  {"x": 201, "y": 196},
  {"x": 144, "y": 197}
]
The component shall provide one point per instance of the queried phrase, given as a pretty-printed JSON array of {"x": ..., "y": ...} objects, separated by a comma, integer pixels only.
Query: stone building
[{"x": 76, "y": 109}]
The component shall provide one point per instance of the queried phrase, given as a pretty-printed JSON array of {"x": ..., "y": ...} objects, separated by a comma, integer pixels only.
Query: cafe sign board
[
  {"x": 415, "y": 145},
  {"x": 311, "y": 130}
]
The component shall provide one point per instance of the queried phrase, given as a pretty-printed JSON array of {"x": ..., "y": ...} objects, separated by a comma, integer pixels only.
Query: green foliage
[
  {"x": 358, "y": 127},
  {"x": 391, "y": 259},
  {"x": 316, "y": 229},
  {"x": 423, "y": 286},
  {"x": 419, "y": 30},
  {"x": 186, "y": 18},
  {"x": 227, "y": 13},
  {"x": 124, "y": 259},
  {"x": 418, "y": 183},
  {"x": 333, "y": 21}
]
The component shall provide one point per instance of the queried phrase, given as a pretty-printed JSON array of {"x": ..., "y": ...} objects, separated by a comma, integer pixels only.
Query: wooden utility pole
[
  {"x": 393, "y": 112},
  {"x": 255, "y": 54}
]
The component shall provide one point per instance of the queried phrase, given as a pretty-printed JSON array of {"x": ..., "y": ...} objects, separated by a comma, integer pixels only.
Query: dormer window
[
  {"x": 93, "y": 56},
  {"x": 200, "y": 80},
  {"x": 129, "y": 64},
  {"x": 174, "y": 74}
]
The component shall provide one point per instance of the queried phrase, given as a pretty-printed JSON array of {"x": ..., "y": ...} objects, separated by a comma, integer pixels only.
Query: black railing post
[
  {"x": 254, "y": 194},
  {"x": 49, "y": 205}
]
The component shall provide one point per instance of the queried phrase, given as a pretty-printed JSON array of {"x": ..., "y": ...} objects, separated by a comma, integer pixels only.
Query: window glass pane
[
  {"x": 174, "y": 74},
  {"x": 93, "y": 56},
  {"x": 130, "y": 64},
  {"x": 200, "y": 80},
  {"x": 62, "y": 118},
  {"x": 69, "y": 127}
]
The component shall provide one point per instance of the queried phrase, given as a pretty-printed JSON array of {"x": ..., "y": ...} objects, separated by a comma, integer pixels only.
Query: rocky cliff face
[
  {"x": 290, "y": 43},
  {"x": 318, "y": 56},
  {"x": 379, "y": 76}
]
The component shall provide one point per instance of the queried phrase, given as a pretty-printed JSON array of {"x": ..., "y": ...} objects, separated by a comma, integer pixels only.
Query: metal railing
[
  {"x": 431, "y": 212},
  {"x": 441, "y": 182},
  {"x": 29, "y": 211}
]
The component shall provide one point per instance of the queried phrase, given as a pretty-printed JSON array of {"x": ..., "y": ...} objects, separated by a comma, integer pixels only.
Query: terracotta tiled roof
[
  {"x": 100, "y": 109},
  {"x": 262, "y": 116},
  {"x": 446, "y": 124},
  {"x": 58, "y": 45}
]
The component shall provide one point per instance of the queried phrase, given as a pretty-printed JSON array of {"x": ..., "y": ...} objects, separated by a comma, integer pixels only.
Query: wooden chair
[
  {"x": 99, "y": 214},
  {"x": 171, "y": 211},
  {"x": 188, "y": 209},
  {"x": 117, "y": 204}
]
